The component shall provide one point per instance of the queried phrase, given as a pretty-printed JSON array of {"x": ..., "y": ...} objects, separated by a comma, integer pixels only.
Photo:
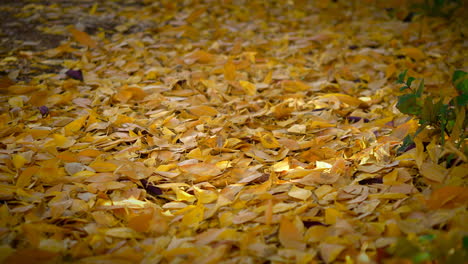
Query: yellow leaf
[
  {"x": 193, "y": 217},
  {"x": 51, "y": 175},
  {"x": 248, "y": 87},
  {"x": 202, "y": 171},
  {"x": 391, "y": 178},
  {"x": 208, "y": 236},
  {"x": 320, "y": 124},
  {"x": 299, "y": 193},
  {"x": 298, "y": 128},
  {"x": 433, "y": 171},
  {"x": 323, "y": 190},
  {"x": 166, "y": 167},
  {"x": 122, "y": 119},
  {"x": 413, "y": 53},
  {"x": 205, "y": 196},
  {"x": 391, "y": 196},
  {"x": 75, "y": 125},
  {"x": 18, "y": 160},
  {"x": 268, "y": 77},
  {"x": 331, "y": 215},
  {"x": 281, "y": 166},
  {"x": 316, "y": 233},
  {"x": 104, "y": 218},
  {"x": 93, "y": 9},
  {"x": 122, "y": 232},
  {"x": 289, "y": 235},
  {"x": 269, "y": 141},
  {"x": 16, "y": 101},
  {"x": 63, "y": 142},
  {"x": 329, "y": 252},
  {"x": 294, "y": 86},
  {"x": 83, "y": 38},
  {"x": 183, "y": 196}
]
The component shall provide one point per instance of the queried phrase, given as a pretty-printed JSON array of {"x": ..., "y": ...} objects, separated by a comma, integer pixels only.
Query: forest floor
[{"x": 226, "y": 132}]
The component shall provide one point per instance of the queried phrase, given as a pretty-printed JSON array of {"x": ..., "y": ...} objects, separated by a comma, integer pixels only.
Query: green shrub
[{"x": 447, "y": 119}]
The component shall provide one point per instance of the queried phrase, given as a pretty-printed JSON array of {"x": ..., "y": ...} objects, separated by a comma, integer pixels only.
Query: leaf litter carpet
[{"x": 224, "y": 132}]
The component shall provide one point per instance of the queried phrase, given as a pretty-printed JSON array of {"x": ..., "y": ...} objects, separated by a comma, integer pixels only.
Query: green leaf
[
  {"x": 420, "y": 88},
  {"x": 401, "y": 76},
  {"x": 428, "y": 112},
  {"x": 406, "y": 144},
  {"x": 410, "y": 81},
  {"x": 404, "y": 88},
  {"x": 427, "y": 238},
  {"x": 421, "y": 256},
  {"x": 405, "y": 248},
  {"x": 460, "y": 81},
  {"x": 462, "y": 99},
  {"x": 408, "y": 104}
]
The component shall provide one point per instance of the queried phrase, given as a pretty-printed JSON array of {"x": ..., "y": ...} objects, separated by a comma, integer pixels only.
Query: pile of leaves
[{"x": 233, "y": 132}]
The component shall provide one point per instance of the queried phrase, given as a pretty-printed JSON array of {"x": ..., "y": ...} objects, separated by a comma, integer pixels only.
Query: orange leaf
[
  {"x": 229, "y": 71},
  {"x": 195, "y": 15},
  {"x": 344, "y": 98},
  {"x": 90, "y": 153},
  {"x": 203, "y": 110},
  {"x": 103, "y": 166},
  {"x": 25, "y": 177},
  {"x": 83, "y": 38},
  {"x": 200, "y": 56},
  {"x": 269, "y": 212},
  {"x": 390, "y": 71},
  {"x": 39, "y": 98},
  {"x": 5, "y": 82},
  {"x": 21, "y": 89},
  {"x": 140, "y": 222},
  {"x": 202, "y": 171},
  {"x": 31, "y": 256},
  {"x": 448, "y": 197},
  {"x": 289, "y": 235},
  {"x": 126, "y": 94}
]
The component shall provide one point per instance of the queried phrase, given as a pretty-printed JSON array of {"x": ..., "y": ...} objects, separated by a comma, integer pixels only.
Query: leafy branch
[{"x": 447, "y": 119}]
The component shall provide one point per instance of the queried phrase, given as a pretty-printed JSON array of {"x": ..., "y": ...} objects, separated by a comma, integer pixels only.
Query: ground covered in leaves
[{"x": 224, "y": 132}]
